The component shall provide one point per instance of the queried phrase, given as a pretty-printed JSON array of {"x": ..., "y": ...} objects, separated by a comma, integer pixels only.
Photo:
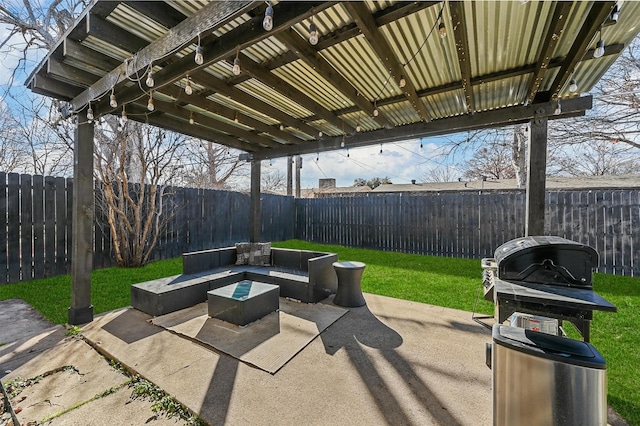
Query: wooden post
[
  {"x": 536, "y": 179},
  {"x": 298, "y": 167},
  {"x": 255, "y": 214},
  {"x": 289, "y": 175},
  {"x": 81, "y": 310}
]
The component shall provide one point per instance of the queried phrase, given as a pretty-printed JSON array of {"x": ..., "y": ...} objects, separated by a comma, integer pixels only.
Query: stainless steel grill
[
  {"x": 540, "y": 377},
  {"x": 544, "y": 276}
]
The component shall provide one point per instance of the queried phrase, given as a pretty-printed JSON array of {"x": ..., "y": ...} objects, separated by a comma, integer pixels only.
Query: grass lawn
[{"x": 438, "y": 281}]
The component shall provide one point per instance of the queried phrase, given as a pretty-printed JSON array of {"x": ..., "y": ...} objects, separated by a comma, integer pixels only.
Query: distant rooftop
[{"x": 583, "y": 182}]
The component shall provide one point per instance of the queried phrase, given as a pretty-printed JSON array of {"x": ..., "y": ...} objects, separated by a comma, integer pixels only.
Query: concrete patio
[{"x": 390, "y": 362}]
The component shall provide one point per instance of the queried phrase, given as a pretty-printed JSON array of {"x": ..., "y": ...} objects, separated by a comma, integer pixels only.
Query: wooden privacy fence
[
  {"x": 473, "y": 225},
  {"x": 36, "y": 240}
]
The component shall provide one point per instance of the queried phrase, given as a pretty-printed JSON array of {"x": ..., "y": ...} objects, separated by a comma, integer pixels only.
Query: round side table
[{"x": 349, "y": 292}]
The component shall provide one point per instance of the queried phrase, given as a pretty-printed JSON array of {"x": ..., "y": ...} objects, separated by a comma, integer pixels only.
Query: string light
[
  {"x": 199, "y": 58},
  {"x": 599, "y": 52},
  {"x": 191, "y": 120},
  {"x": 281, "y": 127},
  {"x": 402, "y": 82},
  {"x": 558, "y": 109},
  {"x": 573, "y": 86},
  {"x": 320, "y": 134},
  {"x": 380, "y": 148},
  {"x": 442, "y": 29},
  {"x": 375, "y": 109},
  {"x": 150, "y": 105},
  {"x": 615, "y": 13},
  {"x": 187, "y": 88},
  {"x": 267, "y": 23},
  {"x": 358, "y": 128},
  {"x": 235, "y": 119},
  {"x": 342, "y": 144},
  {"x": 150, "y": 82},
  {"x": 112, "y": 99},
  {"x": 313, "y": 33},
  {"x": 123, "y": 117},
  {"x": 236, "y": 63},
  {"x": 90, "y": 114}
]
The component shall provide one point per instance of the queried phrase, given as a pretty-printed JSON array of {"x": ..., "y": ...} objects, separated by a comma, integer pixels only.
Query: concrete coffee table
[{"x": 243, "y": 302}]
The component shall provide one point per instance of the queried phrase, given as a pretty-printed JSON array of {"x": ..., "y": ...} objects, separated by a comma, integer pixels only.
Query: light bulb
[
  {"x": 89, "y": 114},
  {"x": 282, "y": 127},
  {"x": 187, "y": 88},
  {"x": 199, "y": 58},
  {"x": 358, "y": 128},
  {"x": 112, "y": 101},
  {"x": 342, "y": 144},
  {"x": 267, "y": 23},
  {"x": 313, "y": 34},
  {"x": 615, "y": 13},
  {"x": 150, "y": 81},
  {"x": 376, "y": 112},
  {"x": 599, "y": 52},
  {"x": 402, "y": 82},
  {"x": 123, "y": 117},
  {"x": 191, "y": 120},
  {"x": 236, "y": 66},
  {"x": 573, "y": 86},
  {"x": 558, "y": 109},
  {"x": 443, "y": 30},
  {"x": 320, "y": 134},
  {"x": 150, "y": 105}
]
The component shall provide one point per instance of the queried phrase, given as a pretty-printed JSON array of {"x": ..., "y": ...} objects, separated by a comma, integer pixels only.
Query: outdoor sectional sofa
[{"x": 303, "y": 275}]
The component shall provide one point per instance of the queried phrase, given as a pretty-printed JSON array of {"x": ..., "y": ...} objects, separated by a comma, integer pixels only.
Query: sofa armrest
[{"x": 322, "y": 276}]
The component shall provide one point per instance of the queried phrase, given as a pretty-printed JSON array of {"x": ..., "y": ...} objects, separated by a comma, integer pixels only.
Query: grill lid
[{"x": 546, "y": 260}]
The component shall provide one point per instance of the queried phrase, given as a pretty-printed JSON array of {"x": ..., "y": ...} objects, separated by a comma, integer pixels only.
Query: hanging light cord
[{"x": 433, "y": 27}]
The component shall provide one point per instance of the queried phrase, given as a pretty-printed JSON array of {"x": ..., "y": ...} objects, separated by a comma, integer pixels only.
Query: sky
[{"x": 400, "y": 162}]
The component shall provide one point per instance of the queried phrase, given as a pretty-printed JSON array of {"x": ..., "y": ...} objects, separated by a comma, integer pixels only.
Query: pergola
[{"x": 284, "y": 78}]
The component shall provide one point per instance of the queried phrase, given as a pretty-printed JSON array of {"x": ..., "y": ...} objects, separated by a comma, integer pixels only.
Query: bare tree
[
  {"x": 135, "y": 163},
  {"x": 212, "y": 166},
  {"x": 33, "y": 25},
  {"x": 11, "y": 145},
  {"x": 441, "y": 174},
  {"x": 273, "y": 181}
]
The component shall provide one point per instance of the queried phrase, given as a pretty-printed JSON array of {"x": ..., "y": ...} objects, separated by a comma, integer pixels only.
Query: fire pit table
[{"x": 243, "y": 302}]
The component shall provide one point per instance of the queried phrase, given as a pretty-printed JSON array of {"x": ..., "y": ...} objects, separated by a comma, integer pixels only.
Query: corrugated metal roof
[{"x": 504, "y": 39}]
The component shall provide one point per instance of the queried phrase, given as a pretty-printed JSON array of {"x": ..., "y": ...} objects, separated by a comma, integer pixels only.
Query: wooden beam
[
  {"x": 255, "y": 215},
  {"x": 462, "y": 48},
  {"x": 311, "y": 57},
  {"x": 228, "y": 113},
  {"x": 537, "y": 176},
  {"x": 140, "y": 114},
  {"x": 210, "y": 16},
  {"x": 554, "y": 33},
  {"x": 234, "y": 131},
  {"x": 159, "y": 11},
  {"x": 246, "y": 34},
  {"x": 462, "y": 123},
  {"x": 361, "y": 14},
  {"x": 81, "y": 309},
  {"x": 49, "y": 87},
  {"x": 69, "y": 74},
  {"x": 597, "y": 15},
  {"x": 205, "y": 79},
  {"x": 113, "y": 34},
  {"x": 291, "y": 92},
  {"x": 94, "y": 59}
]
